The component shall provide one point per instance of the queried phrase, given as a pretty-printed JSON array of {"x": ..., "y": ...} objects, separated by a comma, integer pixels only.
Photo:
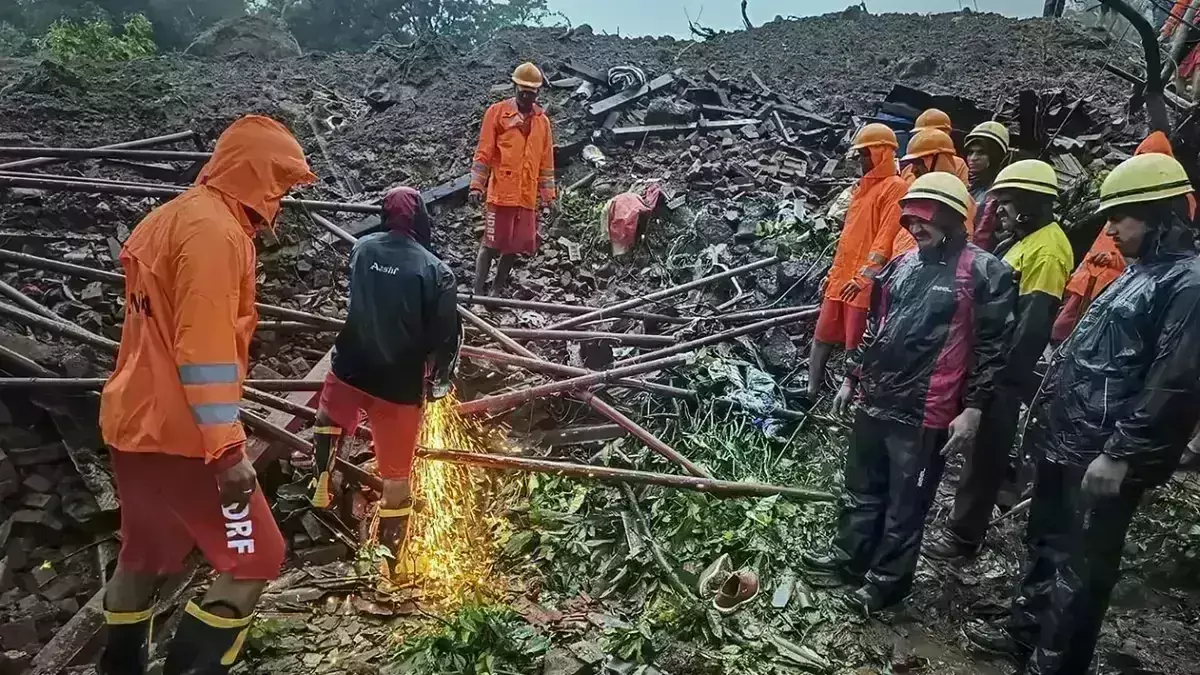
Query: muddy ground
[{"x": 424, "y": 135}]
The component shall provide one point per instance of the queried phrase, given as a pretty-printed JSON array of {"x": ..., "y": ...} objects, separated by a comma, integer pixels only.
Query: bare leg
[
  {"x": 483, "y": 265},
  {"x": 502, "y": 271},
  {"x": 817, "y": 358},
  {"x": 130, "y": 591}
]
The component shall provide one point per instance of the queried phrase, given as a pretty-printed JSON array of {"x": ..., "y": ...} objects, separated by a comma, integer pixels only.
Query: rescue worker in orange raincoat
[
  {"x": 1103, "y": 262},
  {"x": 513, "y": 172},
  {"x": 863, "y": 248},
  {"x": 928, "y": 151},
  {"x": 170, "y": 409},
  {"x": 937, "y": 119}
]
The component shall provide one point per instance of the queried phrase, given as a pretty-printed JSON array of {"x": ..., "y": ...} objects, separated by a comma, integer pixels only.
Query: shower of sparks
[{"x": 451, "y": 549}]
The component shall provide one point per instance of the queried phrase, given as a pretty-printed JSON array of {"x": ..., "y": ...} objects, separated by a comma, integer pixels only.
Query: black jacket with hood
[
  {"x": 1127, "y": 381},
  {"x": 937, "y": 334},
  {"x": 402, "y": 321}
]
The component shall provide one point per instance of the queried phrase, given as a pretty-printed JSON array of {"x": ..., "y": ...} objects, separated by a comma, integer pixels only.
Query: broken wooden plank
[
  {"x": 259, "y": 450},
  {"x": 631, "y": 133},
  {"x": 766, "y": 91},
  {"x": 586, "y": 73},
  {"x": 623, "y": 99},
  {"x": 781, "y": 127},
  {"x": 800, "y": 114},
  {"x": 433, "y": 195}
]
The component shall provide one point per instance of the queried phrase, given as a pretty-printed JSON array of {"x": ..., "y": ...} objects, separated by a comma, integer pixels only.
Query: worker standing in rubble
[
  {"x": 936, "y": 337},
  {"x": 864, "y": 247},
  {"x": 170, "y": 409},
  {"x": 987, "y": 151},
  {"x": 1115, "y": 412},
  {"x": 398, "y": 348},
  {"x": 513, "y": 172},
  {"x": 939, "y": 120},
  {"x": 930, "y": 150},
  {"x": 1103, "y": 262},
  {"x": 1041, "y": 259}
]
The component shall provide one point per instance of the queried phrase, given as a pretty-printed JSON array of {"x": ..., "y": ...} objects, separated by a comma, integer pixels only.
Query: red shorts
[
  {"x": 511, "y": 230},
  {"x": 170, "y": 505},
  {"x": 841, "y": 324},
  {"x": 395, "y": 427}
]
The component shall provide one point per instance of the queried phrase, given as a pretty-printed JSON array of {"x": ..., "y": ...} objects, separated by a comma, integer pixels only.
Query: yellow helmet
[
  {"x": 928, "y": 142},
  {"x": 1144, "y": 178},
  {"x": 1030, "y": 175},
  {"x": 933, "y": 119},
  {"x": 874, "y": 134},
  {"x": 942, "y": 187},
  {"x": 528, "y": 75},
  {"x": 993, "y": 131}
]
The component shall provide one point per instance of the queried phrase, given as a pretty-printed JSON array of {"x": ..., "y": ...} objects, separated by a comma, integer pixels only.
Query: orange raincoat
[
  {"x": 189, "y": 306},
  {"x": 948, "y": 163},
  {"x": 872, "y": 220},
  {"x": 514, "y": 161}
]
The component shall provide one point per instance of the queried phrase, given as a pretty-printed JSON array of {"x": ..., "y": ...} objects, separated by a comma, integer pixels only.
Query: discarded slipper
[
  {"x": 740, "y": 588},
  {"x": 714, "y": 575}
]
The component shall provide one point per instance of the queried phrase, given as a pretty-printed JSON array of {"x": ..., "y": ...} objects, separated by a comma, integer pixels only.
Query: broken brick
[
  {"x": 41, "y": 501},
  {"x": 18, "y": 634},
  {"x": 42, "y": 454},
  {"x": 43, "y": 574},
  {"x": 63, "y": 588},
  {"x": 38, "y": 483},
  {"x": 42, "y": 518}
]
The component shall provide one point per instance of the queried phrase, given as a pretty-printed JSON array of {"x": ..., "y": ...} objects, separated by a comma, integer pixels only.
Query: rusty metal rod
[
  {"x": 137, "y": 190},
  {"x": 632, "y": 339},
  {"x": 553, "y": 307},
  {"x": 665, "y": 293},
  {"x": 86, "y": 179},
  {"x": 724, "y": 335},
  {"x": 140, "y": 143},
  {"x": 756, "y": 314},
  {"x": 92, "y": 383},
  {"x": 105, "y": 153},
  {"x": 719, "y": 488},
  {"x": 540, "y": 366},
  {"x": 598, "y": 404},
  {"x": 333, "y": 228},
  {"x": 14, "y": 294},
  {"x": 83, "y": 272},
  {"x": 294, "y": 327},
  {"x": 505, "y": 401},
  {"x": 57, "y": 326}
]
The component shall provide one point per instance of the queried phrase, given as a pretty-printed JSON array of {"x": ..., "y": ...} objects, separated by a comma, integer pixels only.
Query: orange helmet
[
  {"x": 933, "y": 119},
  {"x": 528, "y": 75},
  {"x": 929, "y": 142},
  {"x": 874, "y": 134}
]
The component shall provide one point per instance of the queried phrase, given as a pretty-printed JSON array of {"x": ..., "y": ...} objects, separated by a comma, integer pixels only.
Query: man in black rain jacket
[
  {"x": 1041, "y": 258},
  {"x": 937, "y": 331},
  {"x": 399, "y": 347},
  {"x": 1111, "y": 420}
]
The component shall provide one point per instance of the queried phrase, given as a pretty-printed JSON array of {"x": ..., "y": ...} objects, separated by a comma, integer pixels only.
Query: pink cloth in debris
[{"x": 624, "y": 212}]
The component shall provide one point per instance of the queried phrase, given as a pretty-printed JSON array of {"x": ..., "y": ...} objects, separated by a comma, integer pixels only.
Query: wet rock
[
  {"x": 256, "y": 36},
  {"x": 559, "y": 661},
  {"x": 778, "y": 351},
  {"x": 18, "y": 633}
]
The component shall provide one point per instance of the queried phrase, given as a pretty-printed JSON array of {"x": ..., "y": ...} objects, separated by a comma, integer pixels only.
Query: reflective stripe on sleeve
[
  {"x": 208, "y": 373},
  {"x": 215, "y": 413}
]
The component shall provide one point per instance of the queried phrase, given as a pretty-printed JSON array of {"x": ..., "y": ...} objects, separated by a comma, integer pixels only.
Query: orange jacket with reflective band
[
  {"x": 954, "y": 164},
  {"x": 872, "y": 220},
  {"x": 189, "y": 301},
  {"x": 514, "y": 167},
  {"x": 1104, "y": 275}
]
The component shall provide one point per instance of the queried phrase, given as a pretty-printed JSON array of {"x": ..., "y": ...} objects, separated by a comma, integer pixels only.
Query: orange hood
[
  {"x": 1156, "y": 143},
  {"x": 256, "y": 162},
  {"x": 883, "y": 162}
]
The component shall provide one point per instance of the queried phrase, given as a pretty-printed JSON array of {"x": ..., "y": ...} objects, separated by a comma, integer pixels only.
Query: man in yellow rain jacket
[{"x": 170, "y": 410}]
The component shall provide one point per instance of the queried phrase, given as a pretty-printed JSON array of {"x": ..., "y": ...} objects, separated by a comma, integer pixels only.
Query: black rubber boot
[
  {"x": 393, "y": 531},
  {"x": 993, "y": 639},
  {"x": 127, "y": 646},
  {"x": 326, "y": 443},
  {"x": 205, "y": 644},
  {"x": 950, "y": 549}
]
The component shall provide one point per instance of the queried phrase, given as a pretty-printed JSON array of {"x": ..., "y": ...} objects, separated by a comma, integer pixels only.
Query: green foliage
[
  {"x": 94, "y": 41},
  {"x": 1165, "y": 535},
  {"x": 477, "y": 641},
  {"x": 265, "y": 634},
  {"x": 354, "y": 24}
]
